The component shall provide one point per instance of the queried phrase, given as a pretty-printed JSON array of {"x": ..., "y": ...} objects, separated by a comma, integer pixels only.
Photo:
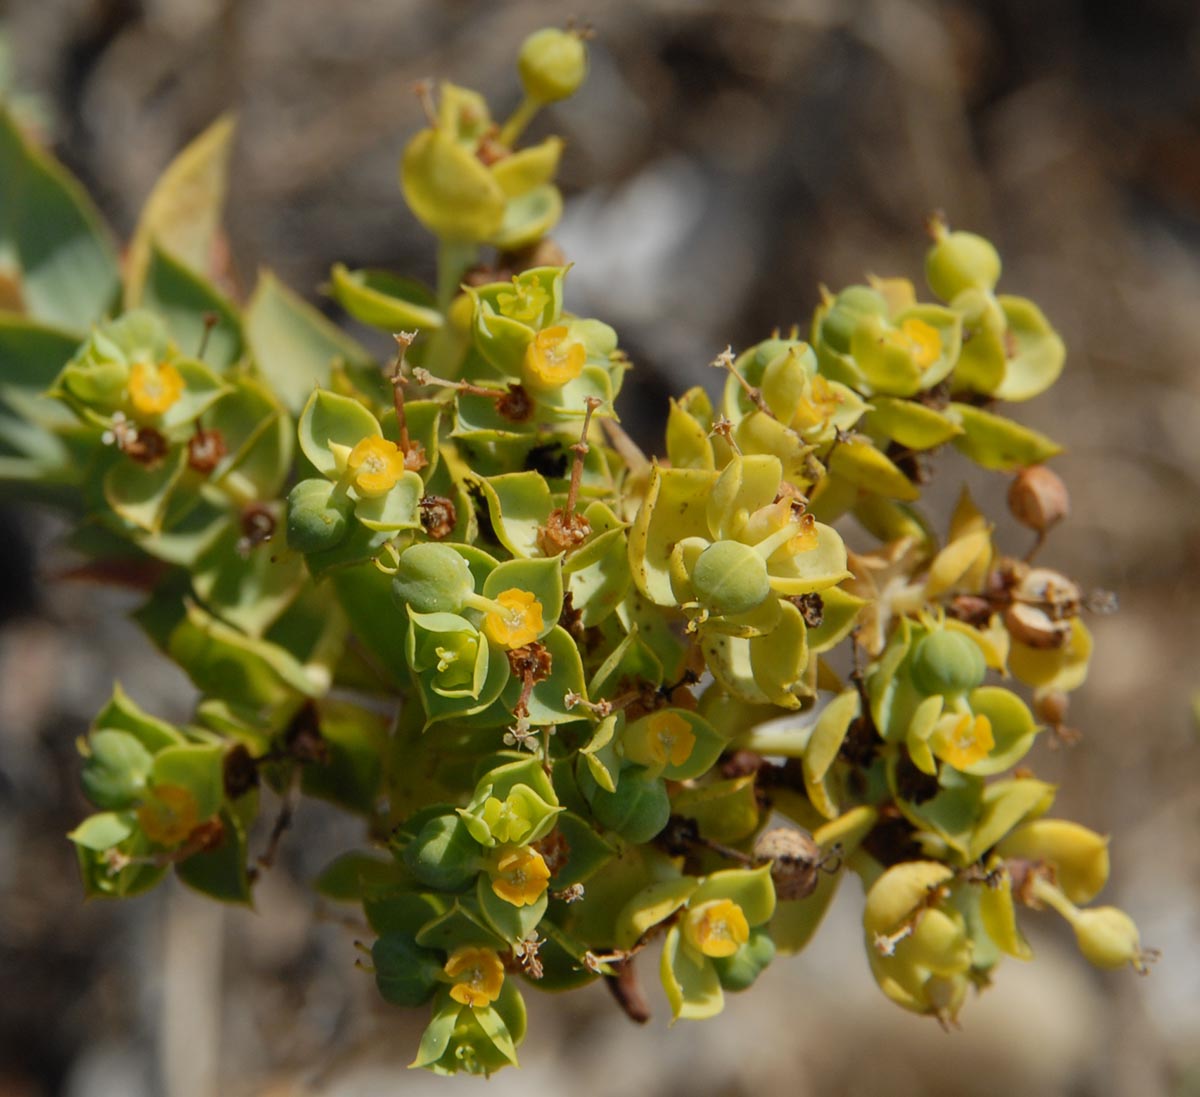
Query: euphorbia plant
[{"x": 582, "y": 700}]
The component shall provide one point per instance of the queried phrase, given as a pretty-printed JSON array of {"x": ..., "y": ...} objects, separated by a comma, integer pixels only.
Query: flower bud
[
  {"x": 1038, "y": 498},
  {"x": 553, "y": 64},
  {"x": 316, "y": 517}
]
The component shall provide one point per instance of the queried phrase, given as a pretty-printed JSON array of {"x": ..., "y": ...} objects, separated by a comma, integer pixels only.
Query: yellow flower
[
  {"x": 168, "y": 815},
  {"x": 519, "y": 875},
  {"x": 920, "y": 339},
  {"x": 552, "y": 360},
  {"x": 515, "y": 620},
  {"x": 818, "y": 406},
  {"x": 779, "y": 531},
  {"x": 666, "y": 737},
  {"x": 377, "y": 464},
  {"x": 524, "y": 303},
  {"x": 478, "y": 976},
  {"x": 961, "y": 740},
  {"x": 717, "y": 928},
  {"x": 153, "y": 389}
]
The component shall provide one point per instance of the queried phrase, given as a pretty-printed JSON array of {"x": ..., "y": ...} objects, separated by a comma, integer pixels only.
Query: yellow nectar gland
[
  {"x": 818, "y": 406},
  {"x": 153, "y": 389},
  {"x": 514, "y": 620},
  {"x": 718, "y": 928},
  {"x": 920, "y": 339},
  {"x": 525, "y": 303},
  {"x": 377, "y": 464},
  {"x": 552, "y": 360},
  {"x": 168, "y": 815},
  {"x": 478, "y": 976},
  {"x": 670, "y": 738},
  {"x": 790, "y": 531},
  {"x": 519, "y": 875},
  {"x": 962, "y": 740}
]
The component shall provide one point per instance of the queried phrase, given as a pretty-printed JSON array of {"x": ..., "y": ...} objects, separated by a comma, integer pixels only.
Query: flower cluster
[{"x": 582, "y": 700}]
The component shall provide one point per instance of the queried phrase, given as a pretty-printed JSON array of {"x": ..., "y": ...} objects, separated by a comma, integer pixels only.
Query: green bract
[{"x": 579, "y": 698}]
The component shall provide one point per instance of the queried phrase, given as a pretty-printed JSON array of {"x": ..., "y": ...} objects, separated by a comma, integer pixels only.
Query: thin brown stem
[
  {"x": 627, "y": 991},
  {"x": 581, "y": 450},
  {"x": 404, "y": 340}
]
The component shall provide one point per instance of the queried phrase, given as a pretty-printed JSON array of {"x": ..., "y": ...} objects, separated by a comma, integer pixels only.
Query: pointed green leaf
[
  {"x": 294, "y": 346},
  {"x": 998, "y": 443},
  {"x": 183, "y": 212},
  {"x": 185, "y": 299},
  {"x": 384, "y": 300},
  {"x": 50, "y": 228}
]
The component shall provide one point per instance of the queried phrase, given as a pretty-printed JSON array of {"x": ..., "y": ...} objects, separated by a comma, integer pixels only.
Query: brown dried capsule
[
  {"x": 795, "y": 860},
  {"x": 515, "y": 405},
  {"x": 205, "y": 449},
  {"x": 1038, "y": 499},
  {"x": 1052, "y": 707},
  {"x": 240, "y": 771},
  {"x": 1035, "y": 628},
  {"x": 147, "y": 447},
  {"x": 531, "y": 661},
  {"x": 563, "y": 532},
  {"x": 1049, "y": 590},
  {"x": 438, "y": 516}
]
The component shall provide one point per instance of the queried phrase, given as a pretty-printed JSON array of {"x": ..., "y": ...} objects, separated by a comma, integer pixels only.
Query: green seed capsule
[
  {"x": 730, "y": 577},
  {"x": 737, "y": 972},
  {"x": 639, "y": 808},
  {"x": 443, "y": 855},
  {"x": 961, "y": 261},
  {"x": 432, "y": 579},
  {"x": 552, "y": 63},
  {"x": 851, "y": 305},
  {"x": 947, "y": 662},
  {"x": 316, "y": 518},
  {"x": 1108, "y": 938},
  {"x": 406, "y": 974}
]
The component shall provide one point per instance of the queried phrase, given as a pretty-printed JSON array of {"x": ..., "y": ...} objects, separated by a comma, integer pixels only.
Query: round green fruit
[
  {"x": 947, "y": 662},
  {"x": 443, "y": 855},
  {"x": 737, "y": 972},
  {"x": 639, "y": 808},
  {"x": 432, "y": 578},
  {"x": 730, "y": 577},
  {"x": 961, "y": 261},
  {"x": 316, "y": 518},
  {"x": 552, "y": 63}
]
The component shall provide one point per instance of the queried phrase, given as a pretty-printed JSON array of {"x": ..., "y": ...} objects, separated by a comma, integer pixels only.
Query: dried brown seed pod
[
  {"x": 1052, "y": 707},
  {"x": 795, "y": 860},
  {"x": 205, "y": 449},
  {"x": 1050, "y": 591},
  {"x": 1038, "y": 498},
  {"x": 438, "y": 516},
  {"x": 1035, "y": 628}
]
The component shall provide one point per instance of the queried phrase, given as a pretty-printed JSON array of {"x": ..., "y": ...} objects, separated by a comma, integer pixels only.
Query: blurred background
[{"x": 723, "y": 160}]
